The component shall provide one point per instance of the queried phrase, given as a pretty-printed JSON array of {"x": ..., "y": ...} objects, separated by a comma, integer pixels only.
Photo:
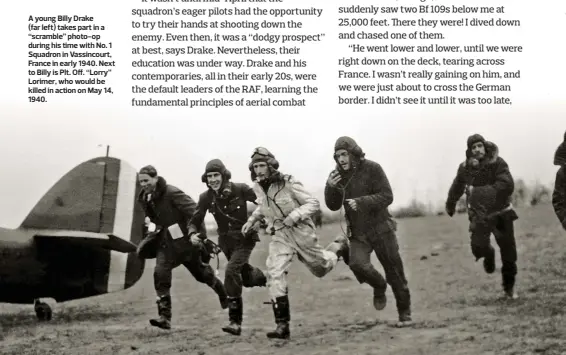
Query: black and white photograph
[{"x": 283, "y": 177}]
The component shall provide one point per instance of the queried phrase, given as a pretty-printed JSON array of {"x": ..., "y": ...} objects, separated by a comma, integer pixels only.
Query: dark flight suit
[
  {"x": 168, "y": 206},
  {"x": 230, "y": 212},
  {"x": 371, "y": 227},
  {"x": 489, "y": 187}
]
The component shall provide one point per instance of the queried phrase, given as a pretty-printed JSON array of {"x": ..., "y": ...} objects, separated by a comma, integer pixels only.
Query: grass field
[{"x": 456, "y": 306}]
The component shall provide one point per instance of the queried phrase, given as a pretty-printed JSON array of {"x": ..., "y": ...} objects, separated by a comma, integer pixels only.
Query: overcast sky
[{"x": 419, "y": 147}]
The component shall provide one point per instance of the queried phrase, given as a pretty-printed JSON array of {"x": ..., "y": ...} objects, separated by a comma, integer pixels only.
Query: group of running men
[{"x": 175, "y": 233}]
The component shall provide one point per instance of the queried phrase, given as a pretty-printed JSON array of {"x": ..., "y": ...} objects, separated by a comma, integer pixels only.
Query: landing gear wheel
[{"x": 43, "y": 311}]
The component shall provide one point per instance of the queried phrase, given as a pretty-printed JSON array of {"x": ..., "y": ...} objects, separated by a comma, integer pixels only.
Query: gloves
[
  {"x": 196, "y": 238},
  {"x": 450, "y": 209}
]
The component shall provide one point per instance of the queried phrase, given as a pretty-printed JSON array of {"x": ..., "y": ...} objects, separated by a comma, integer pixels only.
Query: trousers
[
  {"x": 386, "y": 248},
  {"x": 284, "y": 245},
  {"x": 503, "y": 231},
  {"x": 239, "y": 273},
  {"x": 173, "y": 253}
]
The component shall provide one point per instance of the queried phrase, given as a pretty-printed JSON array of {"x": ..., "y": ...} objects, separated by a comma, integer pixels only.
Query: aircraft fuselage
[{"x": 35, "y": 268}]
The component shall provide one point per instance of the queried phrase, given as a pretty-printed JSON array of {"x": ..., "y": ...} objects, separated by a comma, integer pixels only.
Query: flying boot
[
  {"x": 282, "y": 318},
  {"x": 235, "y": 310},
  {"x": 164, "y": 312}
]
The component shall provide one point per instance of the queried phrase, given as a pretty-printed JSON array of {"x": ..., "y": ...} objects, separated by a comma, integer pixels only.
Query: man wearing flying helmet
[
  {"x": 167, "y": 210},
  {"x": 485, "y": 178},
  {"x": 361, "y": 186},
  {"x": 288, "y": 209},
  {"x": 227, "y": 201}
]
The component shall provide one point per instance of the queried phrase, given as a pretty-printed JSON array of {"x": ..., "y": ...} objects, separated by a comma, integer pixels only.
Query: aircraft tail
[{"x": 97, "y": 196}]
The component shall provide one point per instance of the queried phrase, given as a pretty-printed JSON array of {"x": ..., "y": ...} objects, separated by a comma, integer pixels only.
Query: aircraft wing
[{"x": 88, "y": 239}]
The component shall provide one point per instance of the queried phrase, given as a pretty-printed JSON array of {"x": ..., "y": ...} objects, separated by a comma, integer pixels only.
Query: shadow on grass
[{"x": 27, "y": 318}]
